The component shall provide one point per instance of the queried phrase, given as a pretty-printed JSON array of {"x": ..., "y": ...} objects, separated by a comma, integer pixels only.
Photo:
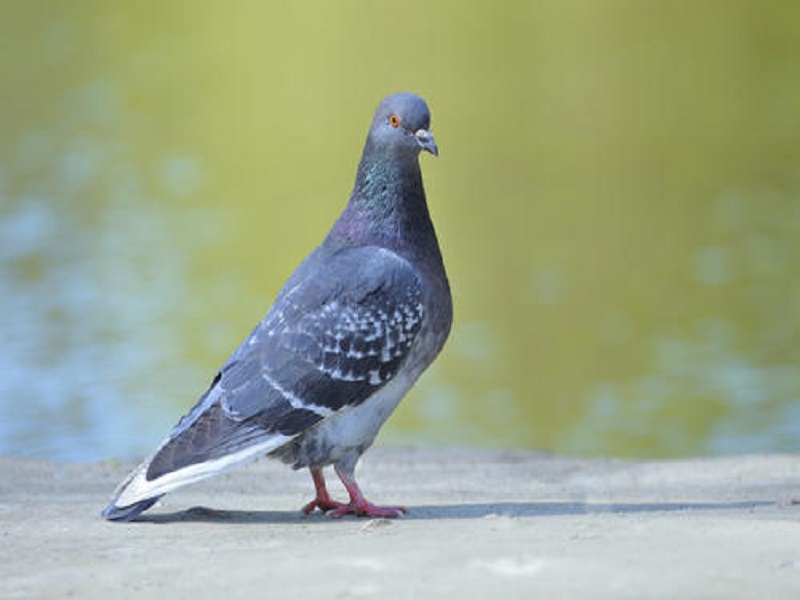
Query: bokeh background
[{"x": 617, "y": 199}]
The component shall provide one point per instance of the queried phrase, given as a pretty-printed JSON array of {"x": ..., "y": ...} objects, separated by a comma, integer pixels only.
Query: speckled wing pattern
[{"x": 330, "y": 341}]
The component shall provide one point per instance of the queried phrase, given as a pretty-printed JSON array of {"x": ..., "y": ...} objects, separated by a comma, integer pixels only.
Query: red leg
[
  {"x": 323, "y": 501},
  {"x": 359, "y": 505}
]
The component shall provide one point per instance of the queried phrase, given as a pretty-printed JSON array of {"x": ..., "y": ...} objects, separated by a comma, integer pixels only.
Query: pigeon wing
[{"x": 330, "y": 342}]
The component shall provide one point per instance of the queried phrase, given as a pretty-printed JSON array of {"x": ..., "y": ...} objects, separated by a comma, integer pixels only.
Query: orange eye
[{"x": 394, "y": 121}]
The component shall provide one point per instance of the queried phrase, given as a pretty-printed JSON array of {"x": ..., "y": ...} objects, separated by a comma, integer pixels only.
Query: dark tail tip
[{"x": 123, "y": 514}]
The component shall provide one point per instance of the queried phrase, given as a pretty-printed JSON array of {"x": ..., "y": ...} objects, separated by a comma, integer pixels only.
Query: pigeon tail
[
  {"x": 139, "y": 492},
  {"x": 123, "y": 514}
]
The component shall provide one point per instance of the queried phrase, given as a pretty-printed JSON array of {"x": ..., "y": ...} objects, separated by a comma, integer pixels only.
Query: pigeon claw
[
  {"x": 362, "y": 508},
  {"x": 324, "y": 504}
]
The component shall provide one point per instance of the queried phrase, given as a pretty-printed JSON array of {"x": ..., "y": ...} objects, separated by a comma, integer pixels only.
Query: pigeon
[{"x": 350, "y": 332}]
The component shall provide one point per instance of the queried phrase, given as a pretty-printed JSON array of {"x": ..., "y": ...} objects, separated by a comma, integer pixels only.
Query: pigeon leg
[
  {"x": 323, "y": 501},
  {"x": 359, "y": 505}
]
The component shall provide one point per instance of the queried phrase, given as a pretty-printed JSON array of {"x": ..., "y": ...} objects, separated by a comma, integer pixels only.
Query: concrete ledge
[{"x": 482, "y": 524}]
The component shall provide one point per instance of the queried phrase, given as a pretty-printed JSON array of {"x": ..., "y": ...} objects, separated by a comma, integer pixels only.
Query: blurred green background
[{"x": 617, "y": 199}]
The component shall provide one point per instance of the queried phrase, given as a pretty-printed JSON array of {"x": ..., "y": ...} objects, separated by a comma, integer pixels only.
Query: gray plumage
[{"x": 350, "y": 332}]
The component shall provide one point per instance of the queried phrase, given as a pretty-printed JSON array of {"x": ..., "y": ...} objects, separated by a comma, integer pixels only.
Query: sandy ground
[{"x": 481, "y": 524}]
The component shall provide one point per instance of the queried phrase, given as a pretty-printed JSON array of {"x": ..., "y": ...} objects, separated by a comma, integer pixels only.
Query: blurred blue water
[{"x": 617, "y": 198}]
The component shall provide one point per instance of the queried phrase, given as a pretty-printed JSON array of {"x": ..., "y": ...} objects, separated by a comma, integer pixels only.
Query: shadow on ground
[{"x": 452, "y": 511}]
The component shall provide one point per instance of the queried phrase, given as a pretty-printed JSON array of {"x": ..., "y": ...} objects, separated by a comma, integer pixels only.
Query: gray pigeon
[{"x": 348, "y": 335}]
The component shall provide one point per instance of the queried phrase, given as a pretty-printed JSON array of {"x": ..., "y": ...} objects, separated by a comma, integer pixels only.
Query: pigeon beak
[{"x": 426, "y": 141}]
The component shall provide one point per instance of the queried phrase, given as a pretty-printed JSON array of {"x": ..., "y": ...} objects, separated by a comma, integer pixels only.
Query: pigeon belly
[{"x": 347, "y": 433}]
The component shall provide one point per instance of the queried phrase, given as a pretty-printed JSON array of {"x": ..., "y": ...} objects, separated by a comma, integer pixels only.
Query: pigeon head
[
  {"x": 388, "y": 197},
  {"x": 401, "y": 126}
]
